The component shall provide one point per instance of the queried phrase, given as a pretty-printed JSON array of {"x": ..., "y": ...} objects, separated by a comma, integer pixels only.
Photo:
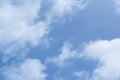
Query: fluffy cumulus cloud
[
  {"x": 107, "y": 53},
  {"x": 30, "y": 69}
]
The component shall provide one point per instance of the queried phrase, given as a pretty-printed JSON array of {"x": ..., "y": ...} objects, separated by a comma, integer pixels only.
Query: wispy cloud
[
  {"x": 64, "y": 57},
  {"x": 62, "y": 8}
]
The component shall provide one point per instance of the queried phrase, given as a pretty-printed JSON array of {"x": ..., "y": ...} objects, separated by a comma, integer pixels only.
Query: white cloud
[
  {"x": 63, "y": 58},
  {"x": 30, "y": 69},
  {"x": 107, "y": 53},
  {"x": 17, "y": 26},
  {"x": 24, "y": 12},
  {"x": 17, "y": 22}
]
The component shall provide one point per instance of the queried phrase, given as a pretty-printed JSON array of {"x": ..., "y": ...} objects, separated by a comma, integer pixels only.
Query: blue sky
[{"x": 59, "y": 40}]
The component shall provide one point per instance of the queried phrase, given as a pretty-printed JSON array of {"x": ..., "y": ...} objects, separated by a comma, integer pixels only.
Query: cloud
[
  {"x": 65, "y": 7},
  {"x": 65, "y": 56},
  {"x": 13, "y": 13},
  {"x": 107, "y": 53},
  {"x": 17, "y": 26},
  {"x": 30, "y": 69}
]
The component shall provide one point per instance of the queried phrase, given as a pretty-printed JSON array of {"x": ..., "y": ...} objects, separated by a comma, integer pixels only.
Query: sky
[{"x": 59, "y": 39}]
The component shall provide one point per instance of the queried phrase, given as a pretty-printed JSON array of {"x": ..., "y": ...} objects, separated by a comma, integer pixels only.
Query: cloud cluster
[
  {"x": 106, "y": 53},
  {"x": 18, "y": 25},
  {"x": 21, "y": 28}
]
